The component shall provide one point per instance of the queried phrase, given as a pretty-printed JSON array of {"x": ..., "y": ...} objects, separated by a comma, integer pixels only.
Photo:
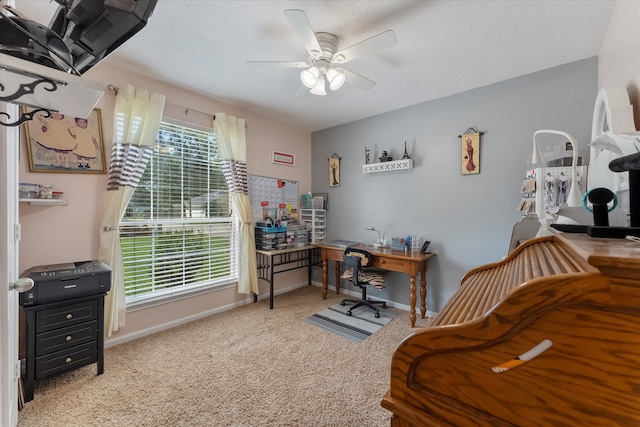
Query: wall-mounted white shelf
[
  {"x": 394, "y": 165},
  {"x": 48, "y": 202},
  {"x": 72, "y": 95}
]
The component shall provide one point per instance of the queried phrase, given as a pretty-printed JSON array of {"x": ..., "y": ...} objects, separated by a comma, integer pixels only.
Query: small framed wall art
[
  {"x": 334, "y": 171},
  {"x": 280, "y": 158},
  {"x": 470, "y": 152},
  {"x": 59, "y": 143}
]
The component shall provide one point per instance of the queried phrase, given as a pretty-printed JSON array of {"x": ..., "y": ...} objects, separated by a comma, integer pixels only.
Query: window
[{"x": 178, "y": 233}]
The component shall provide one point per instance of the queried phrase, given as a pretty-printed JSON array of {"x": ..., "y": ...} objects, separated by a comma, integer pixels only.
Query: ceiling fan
[{"x": 324, "y": 56}]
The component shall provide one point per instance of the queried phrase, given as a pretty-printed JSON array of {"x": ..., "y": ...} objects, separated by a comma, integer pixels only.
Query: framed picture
[
  {"x": 334, "y": 171},
  {"x": 470, "y": 153},
  {"x": 280, "y": 158},
  {"x": 60, "y": 143}
]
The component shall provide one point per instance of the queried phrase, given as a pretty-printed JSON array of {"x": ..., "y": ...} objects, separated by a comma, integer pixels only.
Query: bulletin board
[{"x": 272, "y": 197}]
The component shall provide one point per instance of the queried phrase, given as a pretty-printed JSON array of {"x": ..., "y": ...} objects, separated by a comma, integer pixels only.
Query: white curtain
[
  {"x": 137, "y": 118},
  {"x": 232, "y": 147}
]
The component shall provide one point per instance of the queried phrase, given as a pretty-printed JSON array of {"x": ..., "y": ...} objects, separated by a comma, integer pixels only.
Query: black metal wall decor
[
  {"x": 24, "y": 117},
  {"x": 43, "y": 89},
  {"x": 25, "y": 89}
]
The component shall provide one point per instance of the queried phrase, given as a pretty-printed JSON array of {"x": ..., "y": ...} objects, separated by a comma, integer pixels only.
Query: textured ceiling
[{"x": 444, "y": 47}]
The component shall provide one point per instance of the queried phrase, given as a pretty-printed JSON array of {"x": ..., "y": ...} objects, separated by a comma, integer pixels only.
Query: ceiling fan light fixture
[
  {"x": 309, "y": 77},
  {"x": 335, "y": 78},
  {"x": 319, "y": 87}
]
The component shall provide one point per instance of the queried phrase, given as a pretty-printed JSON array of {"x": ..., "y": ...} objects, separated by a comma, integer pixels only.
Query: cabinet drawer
[
  {"x": 61, "y": 317},
  {"x": 390, "y": 264},
  {"x": 66, "y": 337},
  {"x": 65, "y": 360}
]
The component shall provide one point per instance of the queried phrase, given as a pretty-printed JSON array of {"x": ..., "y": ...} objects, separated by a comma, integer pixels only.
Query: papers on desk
[{"x": 342, "y": 243}]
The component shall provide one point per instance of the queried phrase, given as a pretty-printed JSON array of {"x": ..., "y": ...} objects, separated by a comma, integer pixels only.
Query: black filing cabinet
[{"x": 62, "y": 336}]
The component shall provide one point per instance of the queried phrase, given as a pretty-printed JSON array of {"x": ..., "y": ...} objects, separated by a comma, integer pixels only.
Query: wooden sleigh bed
[{"x": 549, "y": 336}]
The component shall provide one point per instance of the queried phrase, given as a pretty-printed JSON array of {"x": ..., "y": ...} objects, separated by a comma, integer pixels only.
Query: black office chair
[{"x": 361, "y": 275}]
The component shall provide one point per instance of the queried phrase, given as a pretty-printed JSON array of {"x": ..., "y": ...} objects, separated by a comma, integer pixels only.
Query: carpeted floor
[{"x": 250, "y": 366}]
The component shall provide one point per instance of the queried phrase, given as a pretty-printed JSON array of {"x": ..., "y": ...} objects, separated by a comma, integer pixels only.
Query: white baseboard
[{"x": 121, "y": 339}]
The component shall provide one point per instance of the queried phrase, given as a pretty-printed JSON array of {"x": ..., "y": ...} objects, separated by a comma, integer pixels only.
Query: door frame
[{"x": 9, "y": 359}]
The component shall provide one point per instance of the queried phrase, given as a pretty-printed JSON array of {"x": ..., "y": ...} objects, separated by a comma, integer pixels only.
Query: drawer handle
[
  {"x": 68, "y": 360},
  {"x": 69, "y": 316},
  {"x": 68, "y": 338}
]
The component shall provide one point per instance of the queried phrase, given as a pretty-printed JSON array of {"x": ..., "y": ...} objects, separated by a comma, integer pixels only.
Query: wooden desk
[
  {"x": 579, "y": 293},
  {"x": 290, "y": 258},
  {"x": 410, "y": 263}
]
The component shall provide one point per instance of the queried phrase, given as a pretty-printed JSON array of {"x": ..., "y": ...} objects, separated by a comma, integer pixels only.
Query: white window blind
[{"x": 178, "y": 233}]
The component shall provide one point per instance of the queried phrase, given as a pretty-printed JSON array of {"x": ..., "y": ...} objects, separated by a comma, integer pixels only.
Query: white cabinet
[{"x": 315, "y": 220}]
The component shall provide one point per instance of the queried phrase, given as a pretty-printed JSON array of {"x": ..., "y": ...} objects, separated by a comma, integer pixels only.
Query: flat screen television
[{"x": 92, "y": 29}]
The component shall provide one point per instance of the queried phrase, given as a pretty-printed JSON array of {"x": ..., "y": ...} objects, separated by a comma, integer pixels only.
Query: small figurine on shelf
[
  {"x": 385, "y": 157},
  {"x": 405, "y": 155},
  {"x": 367, "y": 157}
]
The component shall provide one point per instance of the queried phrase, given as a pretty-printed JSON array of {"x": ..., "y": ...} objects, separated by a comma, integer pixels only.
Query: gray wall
[{"x": 468, "y": 219}]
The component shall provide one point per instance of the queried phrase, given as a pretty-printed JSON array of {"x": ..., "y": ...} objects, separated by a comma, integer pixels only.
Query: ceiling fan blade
[
  {"x": 357, "y": 80},
  {"x": 302, "y": 91},
  {"x": 277, "y": 64},
  {"x": 298, "y": 20},
  {"x": 370, "y": 45}
]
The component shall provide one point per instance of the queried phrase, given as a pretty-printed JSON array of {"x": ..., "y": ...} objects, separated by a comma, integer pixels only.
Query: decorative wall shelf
[
  {"x": 36, "y": 86},
  {"x": 394, "y": 165},
  {"x": 49, "y": 202}
]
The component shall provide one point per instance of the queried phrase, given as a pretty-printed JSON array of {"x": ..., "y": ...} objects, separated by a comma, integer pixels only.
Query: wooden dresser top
[{"x": 614, "y": 257}]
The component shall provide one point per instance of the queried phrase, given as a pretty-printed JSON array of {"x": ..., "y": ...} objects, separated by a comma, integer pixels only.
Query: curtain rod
[{"x": 187, "y": 110}]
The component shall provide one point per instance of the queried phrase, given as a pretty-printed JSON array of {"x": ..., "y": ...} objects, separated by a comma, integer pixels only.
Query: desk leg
[
  {"x": 271, "y": 282},
  {"x": 324, "y": 277},
  {"x": 338, "y": 274},
  {"x": 310, "y": 261},
  {"x": 412, "y": 300},
  {"x": 423, "y": 293}
]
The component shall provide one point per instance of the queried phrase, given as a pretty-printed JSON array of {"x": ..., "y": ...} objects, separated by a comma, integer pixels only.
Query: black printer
[{"x": 60, "y": 282}]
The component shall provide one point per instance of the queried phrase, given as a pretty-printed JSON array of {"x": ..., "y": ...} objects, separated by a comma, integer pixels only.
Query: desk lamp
[
  {"x": 573, "y": 198},
  {"x": 379, "y": 243}
]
